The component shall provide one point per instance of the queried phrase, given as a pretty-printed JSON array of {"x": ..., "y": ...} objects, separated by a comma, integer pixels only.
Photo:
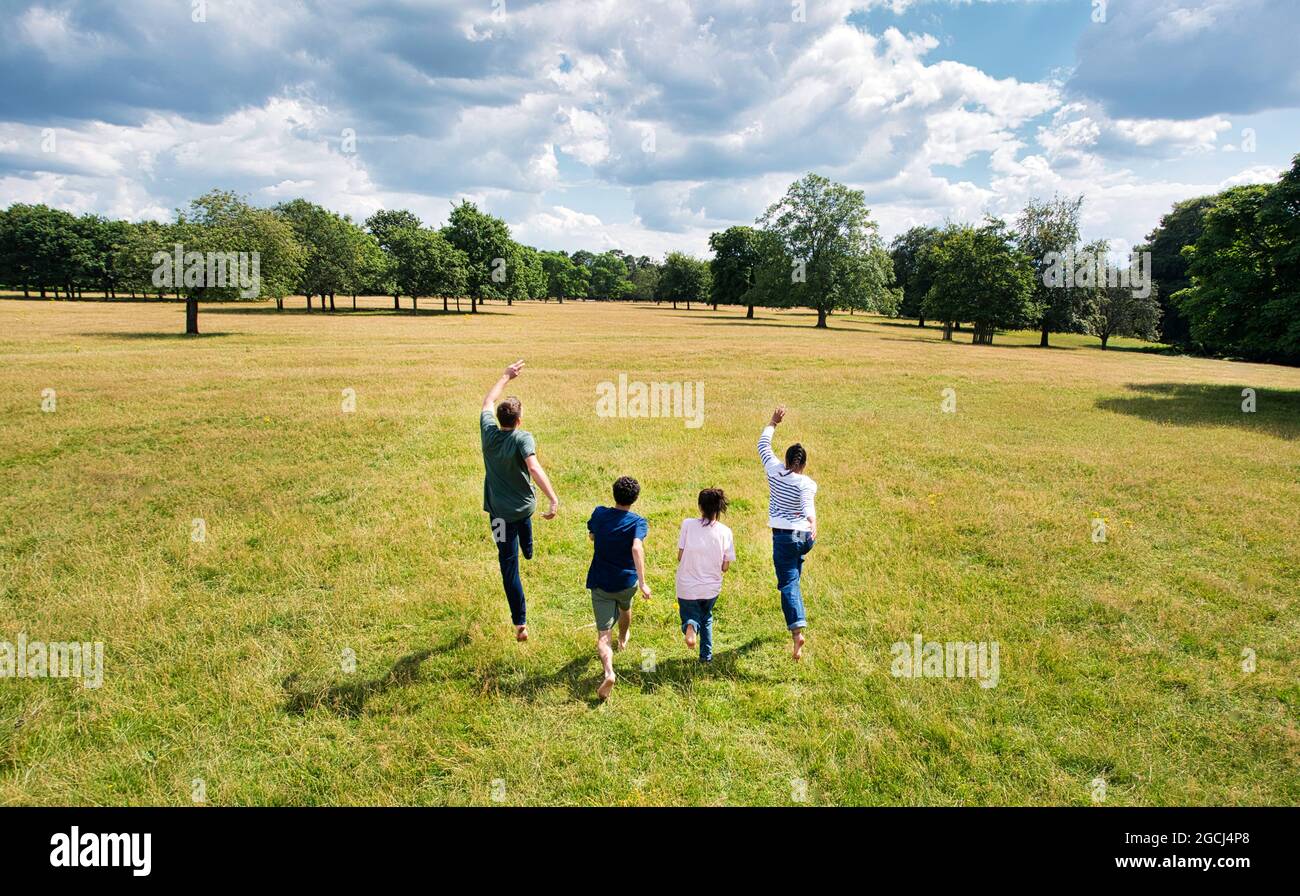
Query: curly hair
[{"x": 626, "y": 490}]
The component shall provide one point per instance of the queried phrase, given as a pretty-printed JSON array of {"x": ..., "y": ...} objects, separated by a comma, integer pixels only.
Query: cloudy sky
[{"x": 646, "y": 124}]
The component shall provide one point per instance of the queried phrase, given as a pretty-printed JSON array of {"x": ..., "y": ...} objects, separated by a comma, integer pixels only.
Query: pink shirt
[{"x": 699, "y": 574}]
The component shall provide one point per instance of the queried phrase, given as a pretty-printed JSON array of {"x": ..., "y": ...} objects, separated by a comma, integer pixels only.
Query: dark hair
[
  {"x": 509, "y": 411},
  {"x": 713, "y": 503},
  {"x": 795, "y": 456},
  {"x": 626, "y": 490}
]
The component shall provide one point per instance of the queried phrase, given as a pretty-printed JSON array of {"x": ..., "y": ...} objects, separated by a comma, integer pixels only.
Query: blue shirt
[{"x": 613, "y": 531}]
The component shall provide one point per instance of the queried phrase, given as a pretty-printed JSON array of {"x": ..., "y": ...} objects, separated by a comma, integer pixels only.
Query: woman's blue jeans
[{"x": 788, "y": 550}]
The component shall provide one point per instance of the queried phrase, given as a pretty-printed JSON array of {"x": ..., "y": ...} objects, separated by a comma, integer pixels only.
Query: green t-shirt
[{"x": 507, "y": 487}]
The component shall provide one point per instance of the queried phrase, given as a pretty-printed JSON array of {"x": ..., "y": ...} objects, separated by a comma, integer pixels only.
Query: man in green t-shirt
[{"x": 510, "y": 461}]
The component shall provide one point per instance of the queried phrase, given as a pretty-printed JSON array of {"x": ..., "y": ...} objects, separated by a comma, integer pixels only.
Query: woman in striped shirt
[{"x": 792, "y": 517}]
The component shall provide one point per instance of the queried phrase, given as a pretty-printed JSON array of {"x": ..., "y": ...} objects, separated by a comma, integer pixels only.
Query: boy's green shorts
[{"x": 607, "y": 604}]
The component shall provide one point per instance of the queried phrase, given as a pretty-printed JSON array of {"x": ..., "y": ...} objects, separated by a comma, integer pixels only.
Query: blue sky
[{"x": 647, "y": 125}]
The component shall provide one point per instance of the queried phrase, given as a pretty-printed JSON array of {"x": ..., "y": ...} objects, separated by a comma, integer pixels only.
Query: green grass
[{"x": 329, "y": 531}]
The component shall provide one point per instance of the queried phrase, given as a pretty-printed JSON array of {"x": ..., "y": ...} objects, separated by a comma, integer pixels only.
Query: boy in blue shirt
[{"x": 617, "y": 566}]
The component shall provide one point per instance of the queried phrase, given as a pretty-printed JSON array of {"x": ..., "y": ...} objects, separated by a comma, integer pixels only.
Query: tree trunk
[
  {"x": 674, "y": 304},
  {"x": 397, "y": 305},
  {"x": 458, "y": 304},
  {"x": 749, "y": 315},
  {"x": 921, "y": 323},
  {"x": 1043, "y": 342},
  {"x": 947, "y": 331},
  {"x": 308, "y": 301},
  {"x": 1105, "y": 337},
  {"x": 331, "y": 301},
  {"x": 473, "y": 305},
  {"x": 444, "y": 303},
  {"x": 354, "y": 301},
  {"x": 821, "y": 318},
  {"x": 191, "y": 315},
  {"x": 279, "y": 303},
  {"x": 415, "y": 304}
]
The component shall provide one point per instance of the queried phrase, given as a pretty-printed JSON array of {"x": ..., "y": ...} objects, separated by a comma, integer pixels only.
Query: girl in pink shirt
[{"x": 705, "y": 549}]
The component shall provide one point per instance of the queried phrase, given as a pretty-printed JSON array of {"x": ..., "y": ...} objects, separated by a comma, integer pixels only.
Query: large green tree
[
  {"x": 1178, "y": 228},
  {"x": 488, "y": 248},
  {"x": 1244, "y": 297},
  {"x": 825, "y": 231},
  {"x": 980, "y": 276},
  {"x": 220, "y": 223},
  {"x": 733, "y": 266}
]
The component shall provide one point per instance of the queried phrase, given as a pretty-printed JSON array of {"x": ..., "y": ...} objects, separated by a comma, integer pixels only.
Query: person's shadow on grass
[
  {"x": 349, "y": 699},
  {"x": 581, "y": 675}
]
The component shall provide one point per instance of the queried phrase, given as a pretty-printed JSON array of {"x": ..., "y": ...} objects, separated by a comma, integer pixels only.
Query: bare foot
[
  {"x": 521, "y": 633},
  {"x": 606, "y": 686},
  {"x": 690, "y": 636},
  {"x": 622, "y": 642},
  {"x": 798, "y": 644}
]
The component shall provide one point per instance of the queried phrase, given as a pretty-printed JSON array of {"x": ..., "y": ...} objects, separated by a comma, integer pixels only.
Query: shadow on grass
[
  {"x": 175, "y": 336},
  {"x": 1277, "y": 411},
  {"x": 581, "y": 675},
  {"x": 350, "y": 699},
  {"x": 271, "y": 311}
]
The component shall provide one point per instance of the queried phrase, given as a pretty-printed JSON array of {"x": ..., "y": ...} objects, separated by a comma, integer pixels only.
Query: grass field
[{"x": 329, "y": 532}]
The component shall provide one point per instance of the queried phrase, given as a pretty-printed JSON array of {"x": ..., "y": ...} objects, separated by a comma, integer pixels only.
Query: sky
[{"x": 647, "y": 125}]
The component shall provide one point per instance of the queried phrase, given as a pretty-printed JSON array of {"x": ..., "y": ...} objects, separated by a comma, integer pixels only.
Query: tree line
[
  {"x": 1222, "y": 276},
  {"x": 1223, "y": 273}
]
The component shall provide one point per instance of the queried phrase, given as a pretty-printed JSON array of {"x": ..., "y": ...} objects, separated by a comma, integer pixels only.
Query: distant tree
[
  {"x": 101, "y": 238},
  {"x": 368, "y": 273},
  {"x": 135, "y": 256},
  {"x": 1180, "y": 227},
  {"x": 735, "y": 260},
  {"x": 980, "y": 276},
  {"x": 329, "y": 250},
  {"x": 223, "y": 223},
  {"x": 913, "y": 273},
  {"x": 684, "y": 278},
  {"x": 644, "y": 280},
  {"x": 609, "y": 277},
  {"x": 387, "y": 227},
  {"x": 1045, "y": 227},
  {"x": 43, "y": 249},
  {"x": 426, "y": 264},
  {"x": 384, "y": 223},
  {"x": 837, "y": 262},
  {"x": 526, "y": 276},
  {"x": 487, "y": 245},
  {"x": 1110, "y": 308}
]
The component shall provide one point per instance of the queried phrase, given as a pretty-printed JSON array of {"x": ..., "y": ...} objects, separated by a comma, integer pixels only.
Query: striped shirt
[{"x": 790, "y": 503}]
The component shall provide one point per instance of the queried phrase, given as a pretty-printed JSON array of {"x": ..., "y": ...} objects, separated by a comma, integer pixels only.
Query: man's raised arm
[{"x": 495, "y": 392}]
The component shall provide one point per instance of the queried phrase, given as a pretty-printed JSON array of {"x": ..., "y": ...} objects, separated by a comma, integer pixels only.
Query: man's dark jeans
[{"x": 511, "y": 539}]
